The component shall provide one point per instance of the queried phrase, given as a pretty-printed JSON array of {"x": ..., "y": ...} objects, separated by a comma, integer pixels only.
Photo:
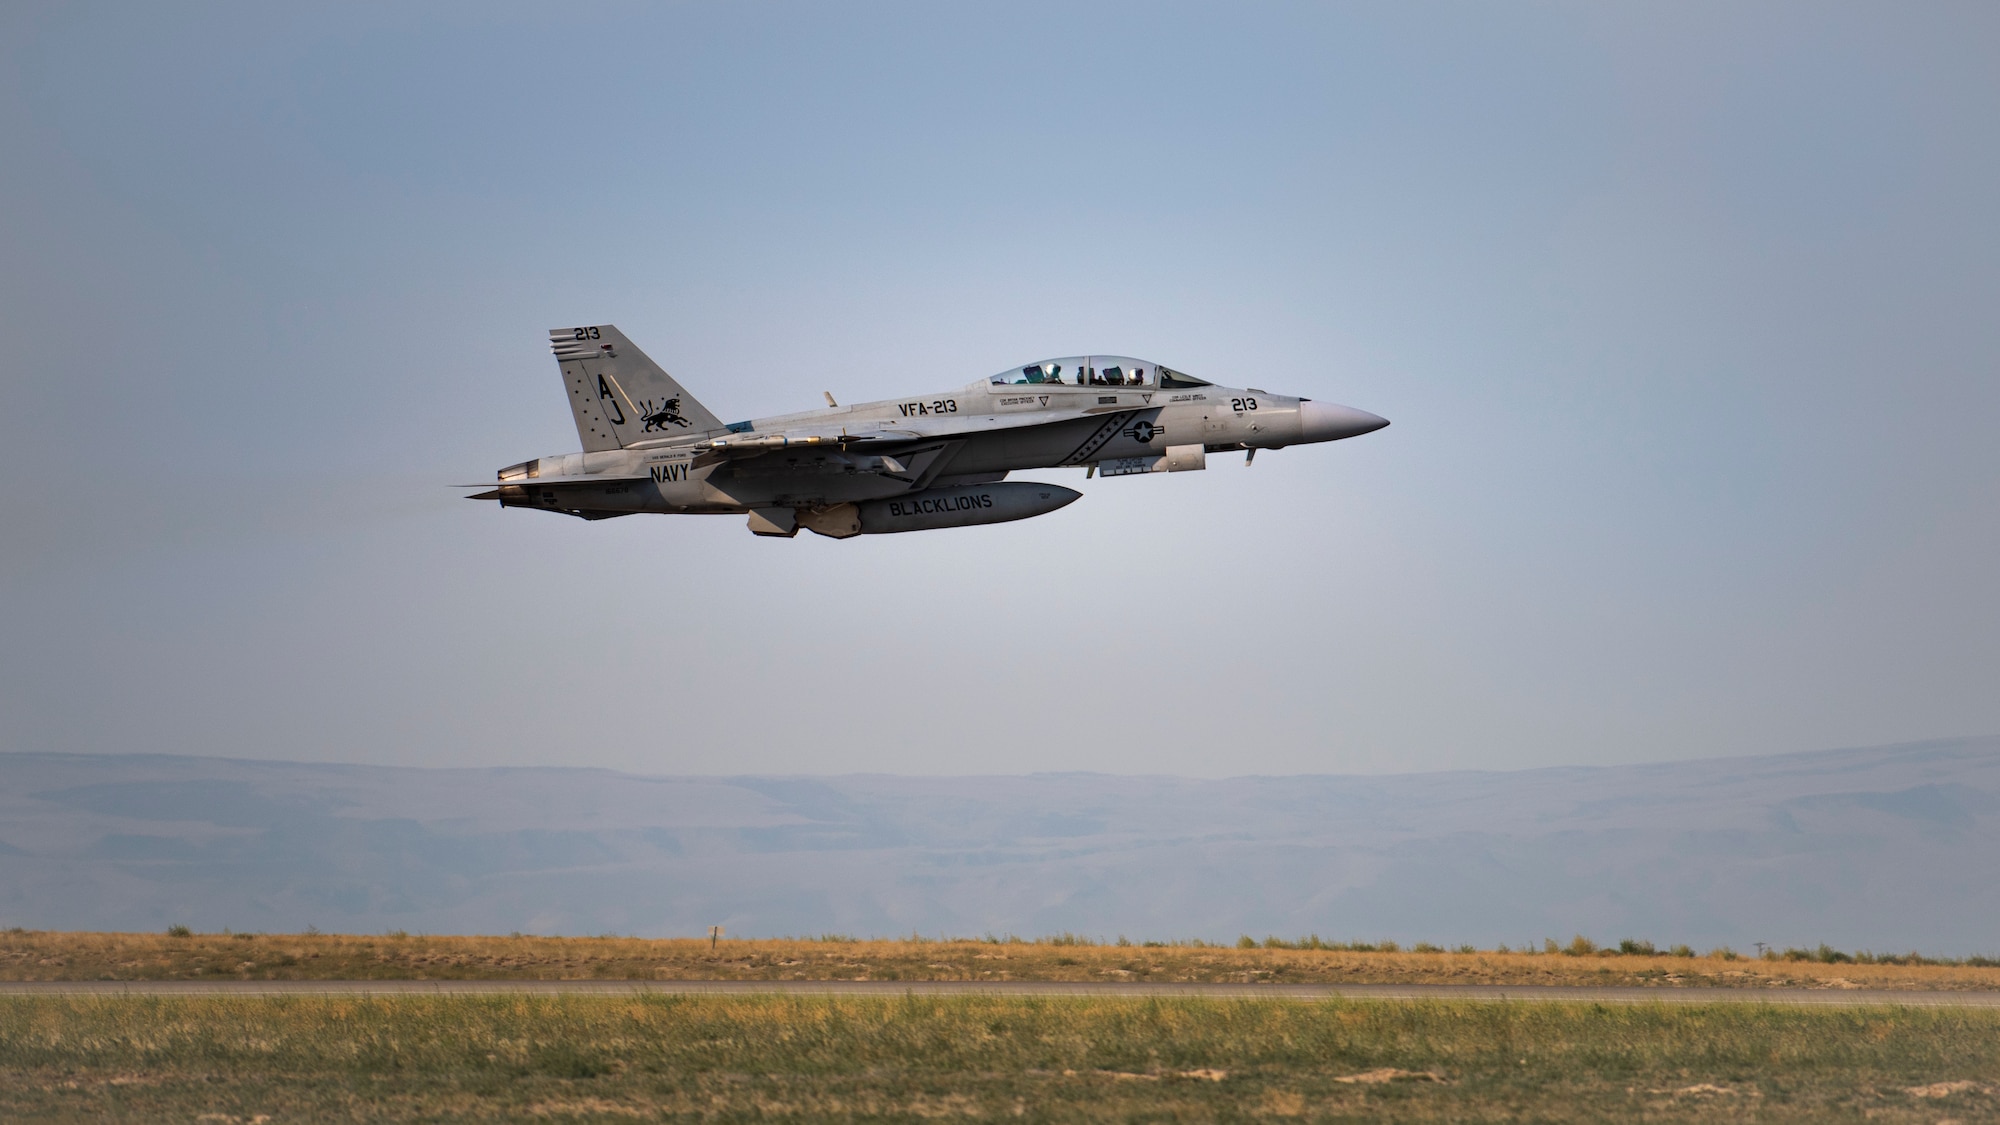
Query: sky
[{"x": 1684, "y": 316}]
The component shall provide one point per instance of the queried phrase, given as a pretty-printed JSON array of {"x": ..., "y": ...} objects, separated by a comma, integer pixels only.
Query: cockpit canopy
[{"x": 1095, "y": 371}]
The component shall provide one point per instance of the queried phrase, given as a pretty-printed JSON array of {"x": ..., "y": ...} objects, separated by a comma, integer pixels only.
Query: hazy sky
[{"x": 1686, "y": 316}]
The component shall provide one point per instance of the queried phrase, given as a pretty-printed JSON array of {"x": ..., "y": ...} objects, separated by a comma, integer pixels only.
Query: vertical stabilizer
[{"x": 619, "y": 396}]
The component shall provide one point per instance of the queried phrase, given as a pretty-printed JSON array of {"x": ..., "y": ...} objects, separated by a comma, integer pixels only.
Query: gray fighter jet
[{"x": 906, "y": 464}]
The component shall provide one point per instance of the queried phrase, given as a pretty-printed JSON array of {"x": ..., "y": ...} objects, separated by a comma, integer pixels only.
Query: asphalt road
[{"x": 1301, "y": 992}]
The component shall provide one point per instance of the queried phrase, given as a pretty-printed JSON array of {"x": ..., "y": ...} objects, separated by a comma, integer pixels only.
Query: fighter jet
[{"x": 904, "y": 464}]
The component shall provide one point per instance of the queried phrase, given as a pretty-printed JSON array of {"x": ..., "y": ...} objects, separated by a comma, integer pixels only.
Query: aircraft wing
[{"x": 881, "y": 435}]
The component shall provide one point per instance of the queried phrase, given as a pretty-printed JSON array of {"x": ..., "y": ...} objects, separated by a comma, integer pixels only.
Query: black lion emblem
[{"x": 668, "y": 414}]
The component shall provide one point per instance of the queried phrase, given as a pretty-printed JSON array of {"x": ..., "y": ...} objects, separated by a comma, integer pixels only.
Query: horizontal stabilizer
[{"x": 493, "y": 489}]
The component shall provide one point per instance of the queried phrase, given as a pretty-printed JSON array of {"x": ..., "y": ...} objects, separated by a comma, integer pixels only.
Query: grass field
[
  {"x": 49, "y": 955},
  {"x": 656, "y": 1058}
]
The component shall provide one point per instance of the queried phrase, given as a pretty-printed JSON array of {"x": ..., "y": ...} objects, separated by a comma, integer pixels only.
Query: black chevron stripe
[{"x": 1097, "y": 440}]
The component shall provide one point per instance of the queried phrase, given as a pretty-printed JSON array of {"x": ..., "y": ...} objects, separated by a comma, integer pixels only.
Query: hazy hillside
[{"x": 1882, "y": 848}]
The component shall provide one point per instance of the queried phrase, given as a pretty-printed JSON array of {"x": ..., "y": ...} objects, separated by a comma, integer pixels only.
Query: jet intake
[{"x": 932, "y": 508}]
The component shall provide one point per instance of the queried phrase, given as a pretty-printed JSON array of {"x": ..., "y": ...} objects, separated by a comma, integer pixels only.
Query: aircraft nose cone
[{"x": 1326, "y": 421}]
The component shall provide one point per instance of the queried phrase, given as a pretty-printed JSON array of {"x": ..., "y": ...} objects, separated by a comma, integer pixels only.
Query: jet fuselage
[{"x": 660, "y": 452}]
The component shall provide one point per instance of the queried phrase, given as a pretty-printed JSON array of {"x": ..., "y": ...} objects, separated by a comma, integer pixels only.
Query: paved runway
[{"x": 1299, "y": 992}]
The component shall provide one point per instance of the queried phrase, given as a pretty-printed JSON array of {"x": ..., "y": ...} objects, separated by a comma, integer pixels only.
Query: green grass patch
[{"x": 1071, "y": 1059}]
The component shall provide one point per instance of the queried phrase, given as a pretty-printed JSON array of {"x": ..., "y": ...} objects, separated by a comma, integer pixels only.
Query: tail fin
[{"x": 619, "y": 396}]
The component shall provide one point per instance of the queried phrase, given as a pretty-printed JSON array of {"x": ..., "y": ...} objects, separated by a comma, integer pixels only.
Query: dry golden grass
[{"x": 49, "y": 955}]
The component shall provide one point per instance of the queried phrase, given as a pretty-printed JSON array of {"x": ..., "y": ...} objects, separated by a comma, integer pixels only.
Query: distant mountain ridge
[{"x": 1886, "y": 848}]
